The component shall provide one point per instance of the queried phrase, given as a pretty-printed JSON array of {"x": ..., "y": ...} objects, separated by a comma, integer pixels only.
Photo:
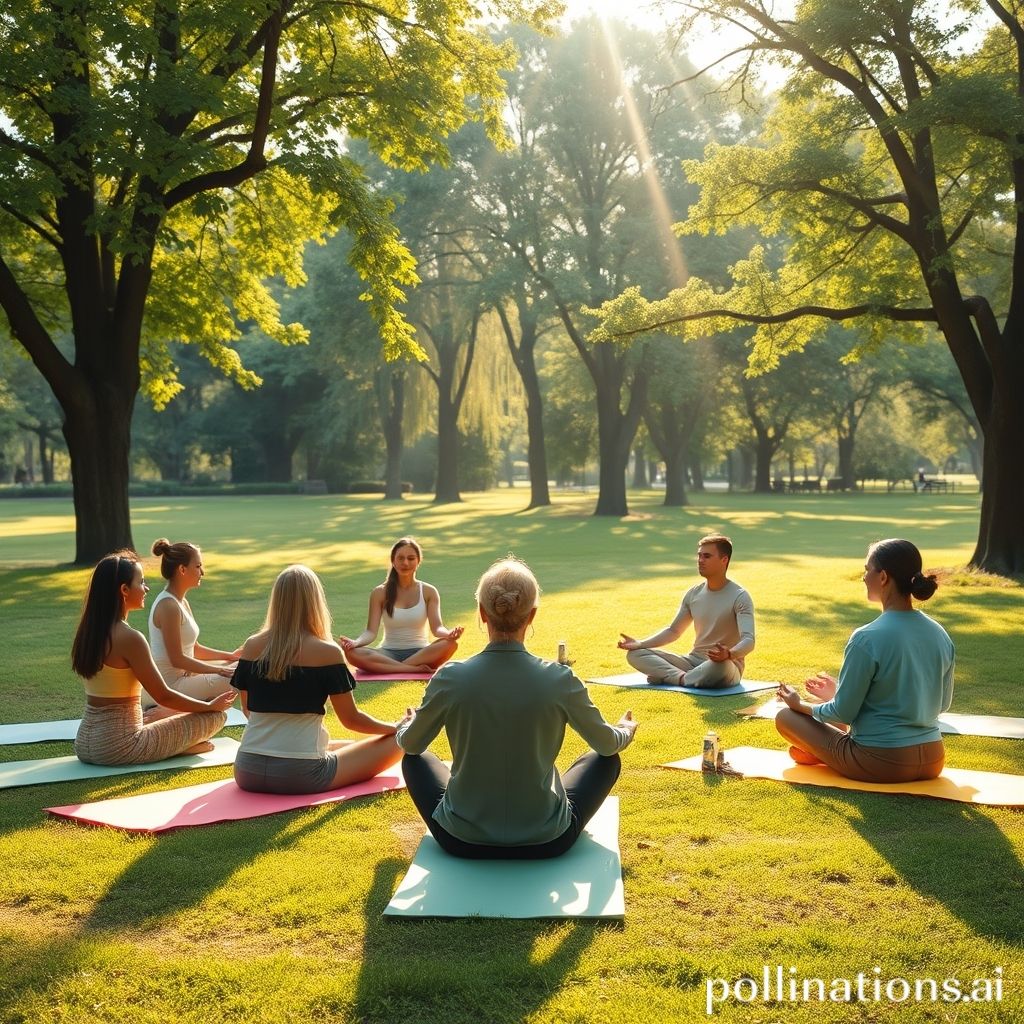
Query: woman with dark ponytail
[
  {"x": 878, "y": 722},
  {"x": 116, "y": 664},
  {"x": 410, "y": 611}
]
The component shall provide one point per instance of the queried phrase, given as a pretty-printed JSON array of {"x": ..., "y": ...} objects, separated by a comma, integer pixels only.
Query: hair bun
[
  {"x": 161, "y": 546},
  {"x": 506, "y": 600},
  {"x": 922, "y": 587}
]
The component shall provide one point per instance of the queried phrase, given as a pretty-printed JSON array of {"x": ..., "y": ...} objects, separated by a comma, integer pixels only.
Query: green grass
[{"x": 278, "y": 919}]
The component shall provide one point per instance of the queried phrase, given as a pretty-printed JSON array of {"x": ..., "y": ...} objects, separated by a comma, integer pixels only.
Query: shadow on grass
[
  {"x": 463, "y": 970},
  {"x": 950, "y": 853}
]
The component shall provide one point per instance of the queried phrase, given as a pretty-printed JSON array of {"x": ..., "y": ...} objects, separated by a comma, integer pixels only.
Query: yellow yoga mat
[{"x": 970, "y": 787}]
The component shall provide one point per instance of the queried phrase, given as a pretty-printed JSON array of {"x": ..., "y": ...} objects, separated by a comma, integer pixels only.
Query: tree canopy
[
  {"x": 160, "y": 161},
  {"x": 891, "y": 171}
]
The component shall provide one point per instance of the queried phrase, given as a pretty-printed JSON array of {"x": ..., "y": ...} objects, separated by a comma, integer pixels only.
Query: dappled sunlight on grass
[{"x": 721, "y": 875}]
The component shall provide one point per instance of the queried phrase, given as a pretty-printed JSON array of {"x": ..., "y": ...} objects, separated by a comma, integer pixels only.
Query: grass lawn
[{"x": 278, "y": 919}]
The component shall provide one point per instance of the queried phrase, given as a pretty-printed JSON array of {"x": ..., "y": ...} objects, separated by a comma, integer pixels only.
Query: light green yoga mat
[
  {"x": 67, "y": 729},
  {"x": 69, "y": 769},
  {"x": 996, "y": 726},
  {"x": 584, "y": 882}
]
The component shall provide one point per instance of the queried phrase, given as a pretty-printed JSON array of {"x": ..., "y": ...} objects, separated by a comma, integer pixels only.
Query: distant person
[
  {"x": 116, "y": 663},
  {"x": 286, "y": 674},
  {"x": 411, "y": 613},
  {"x": 504, "y": 711},
  {"x": 895, "y": 681},
  {"x": 722, "y": 614},
  {"x": 174, "y": 633}
]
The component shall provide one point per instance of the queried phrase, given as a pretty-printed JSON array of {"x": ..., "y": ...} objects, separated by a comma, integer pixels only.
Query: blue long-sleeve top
[{"x": 895, "y": 681}]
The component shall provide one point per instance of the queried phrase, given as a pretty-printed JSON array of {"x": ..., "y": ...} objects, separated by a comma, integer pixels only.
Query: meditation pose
[
  {"x": 174, "y": 632},
  {"x": 411, "y": 612},
  {"x": 286, "y": 674},
  {"x": 116, "y": 663},
  {"x": 505, "y": 711},
  {"x": 722, "y": 614},
  {"x": 895, "y": 681}
]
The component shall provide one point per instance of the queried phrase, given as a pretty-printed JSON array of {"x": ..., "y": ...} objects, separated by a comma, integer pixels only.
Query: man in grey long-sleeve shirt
[{"x": 722, "y": 614}]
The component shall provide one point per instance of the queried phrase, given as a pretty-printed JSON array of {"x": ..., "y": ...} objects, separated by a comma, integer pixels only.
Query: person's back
[{"x": 505, "y": 712}]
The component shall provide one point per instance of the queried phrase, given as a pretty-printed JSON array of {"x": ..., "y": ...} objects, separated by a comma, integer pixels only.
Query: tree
[
  {"x": 159, "y": 161},
  {"x": 892, "y": 156}
]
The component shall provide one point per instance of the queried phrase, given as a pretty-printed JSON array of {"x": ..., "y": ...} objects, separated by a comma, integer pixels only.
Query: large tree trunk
[
  {"x": 536, "y": 453},
  {"x": 675, "y": 478},
  {"x": 394, "y": 402},
  {"x": 767, "y": 446},
  {"x": 1000, "y": 547},
  {"x": 845, "y": 444},
  {"x": 447, "y": 487},
  {"x": 615, "y": 433},
  {"x": 99, "y": 441}
]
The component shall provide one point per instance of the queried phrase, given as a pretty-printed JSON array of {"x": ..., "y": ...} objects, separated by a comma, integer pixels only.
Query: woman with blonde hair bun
[
  {"x": 505, "y": 712},
  {"x": 286, "y": 674},
  {"x": 186, "y": 665}
]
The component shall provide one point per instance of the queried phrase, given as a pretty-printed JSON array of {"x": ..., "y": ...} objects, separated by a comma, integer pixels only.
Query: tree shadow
[
  {"x": 433, "y": 969},
  {"x": 953, "y": 854}
]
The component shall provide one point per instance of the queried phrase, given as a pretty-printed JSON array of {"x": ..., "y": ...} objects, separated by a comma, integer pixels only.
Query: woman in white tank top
[
  {"x": 186, "y": 665},
  {"x": 410, "y": 612}
]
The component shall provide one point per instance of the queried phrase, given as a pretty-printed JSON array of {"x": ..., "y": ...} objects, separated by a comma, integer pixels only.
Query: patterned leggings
[{"x": 119, "y": 734}]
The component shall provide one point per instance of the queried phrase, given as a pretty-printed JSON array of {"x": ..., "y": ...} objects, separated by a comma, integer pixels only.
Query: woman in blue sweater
[{"x": 879, "y": 721}]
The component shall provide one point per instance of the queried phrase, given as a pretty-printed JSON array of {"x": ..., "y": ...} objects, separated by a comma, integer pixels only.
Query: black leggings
[{"x": 587, "y": 782}]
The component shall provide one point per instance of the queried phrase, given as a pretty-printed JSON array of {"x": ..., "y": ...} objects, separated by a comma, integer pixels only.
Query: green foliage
[{"x": 212, "y": 143}]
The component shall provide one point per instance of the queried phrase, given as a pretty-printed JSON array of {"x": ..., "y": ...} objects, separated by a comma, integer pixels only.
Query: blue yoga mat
[
  {"x": 639, "y": 682},
  {"x": 66, "y": 729}
]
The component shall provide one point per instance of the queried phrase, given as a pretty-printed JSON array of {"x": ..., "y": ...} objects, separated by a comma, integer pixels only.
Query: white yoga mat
[
  {"x": 635, "y": 679},
  {"x": 70, "y": 769},
  {"x": 996, "y": 726},
  {"x": 66, "y": 729},
  {"x": 584, "y": 882}
]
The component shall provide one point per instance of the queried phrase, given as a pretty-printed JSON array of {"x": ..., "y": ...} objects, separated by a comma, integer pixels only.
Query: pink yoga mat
[
  {"x": 211, "y": 802},
  {"x": 369, "y": 677}
]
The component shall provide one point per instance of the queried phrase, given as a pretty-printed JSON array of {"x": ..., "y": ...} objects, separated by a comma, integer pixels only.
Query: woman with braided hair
[
  {"x": 878, "y": 722},
  {"x": 505, "y": 711}
]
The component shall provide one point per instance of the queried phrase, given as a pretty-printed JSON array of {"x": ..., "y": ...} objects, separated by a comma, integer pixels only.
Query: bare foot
[
  {"x": 802, "y": 757},
  {"x": 199, "y": 748}
]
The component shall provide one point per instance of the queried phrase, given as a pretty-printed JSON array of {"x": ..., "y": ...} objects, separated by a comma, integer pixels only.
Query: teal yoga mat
[
  {"x": 65, "y": 729},
  {"x": 585, "y": 882},
  {"x": 70, "y": 769},
  {"x": 634, "y": 679}
]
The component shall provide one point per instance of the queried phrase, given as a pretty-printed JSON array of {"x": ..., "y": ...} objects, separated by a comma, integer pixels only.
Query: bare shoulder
[
  {"x": 126, "y": 643},
  {"x": 430, "y": 592},
  {"x": 377, "y": 594},
  {"x": 254, "y": 646},
  {"x": 315, "y": 652}
]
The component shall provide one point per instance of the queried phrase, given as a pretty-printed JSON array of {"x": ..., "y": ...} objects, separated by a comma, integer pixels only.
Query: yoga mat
[
  {"x": 584, "y": 882},
  {"x": 368, "y": 677},
  {"x": 970, "y": 787},
  {"x": 211, "y": 802},
  {"x": 66, "y": 729},
  {"x": 69, "y": 769},
  {"x": 640, "y": 682},
  {"x": 997, "y": 726}
]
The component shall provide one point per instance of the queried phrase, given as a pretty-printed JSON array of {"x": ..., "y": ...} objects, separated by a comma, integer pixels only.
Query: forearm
[
  {"x": 366, "y": 724},
  {"x": 366, "y": 637},
  {"x": 212, "y": 654},
  {"x": 192, "y": 666},
  {"x": 665, "y": 636}
]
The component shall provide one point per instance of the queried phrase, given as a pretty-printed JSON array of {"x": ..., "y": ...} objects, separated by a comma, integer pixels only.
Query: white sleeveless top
[
  {"x": 406, "y": 627},
  {"x": 189, "y": 636}
]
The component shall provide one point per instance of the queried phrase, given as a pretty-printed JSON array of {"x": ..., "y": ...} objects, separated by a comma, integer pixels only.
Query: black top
[{"x": 304, "y": 691}]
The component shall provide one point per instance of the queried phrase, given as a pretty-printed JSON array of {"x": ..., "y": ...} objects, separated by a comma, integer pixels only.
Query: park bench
[{"x": 936, "y": 485}]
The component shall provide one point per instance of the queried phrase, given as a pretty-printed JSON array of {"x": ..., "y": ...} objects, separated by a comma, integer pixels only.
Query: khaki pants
[
  {"x": 866, "y": 764},
  {"x": 702, "y": 673}
]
